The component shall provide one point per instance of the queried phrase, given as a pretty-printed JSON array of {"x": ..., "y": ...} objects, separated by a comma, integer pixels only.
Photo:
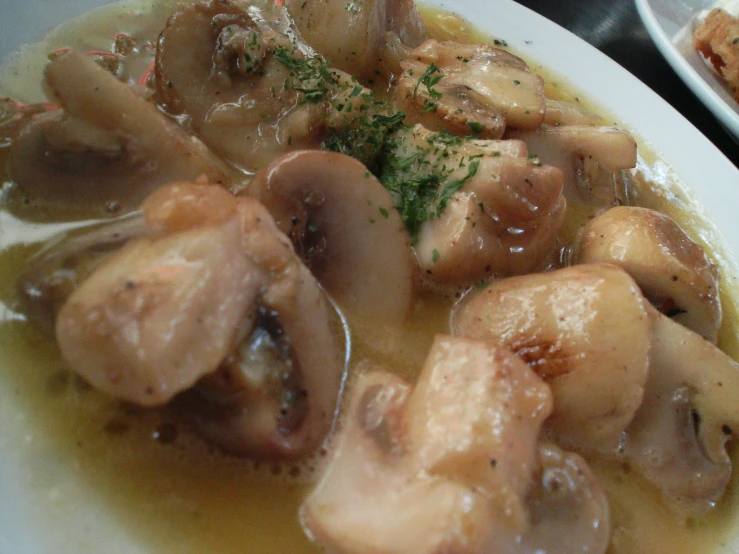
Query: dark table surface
[{"x": 614, "y": 27}]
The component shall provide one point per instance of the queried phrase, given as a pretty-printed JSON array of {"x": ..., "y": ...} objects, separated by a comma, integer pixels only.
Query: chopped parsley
[
  {"x": 422, "y": 177},
  {"x": 429, "y": 80},
  {"x": 311, "y": 76},
  {"x": 365, "y": 136}
]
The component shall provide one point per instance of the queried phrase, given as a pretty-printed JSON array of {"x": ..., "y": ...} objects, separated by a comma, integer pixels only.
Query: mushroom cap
[
  {"x": 345, "y": 228},
  {"x": 673, "y": 272},
  {"x": 584, "y": 330}
]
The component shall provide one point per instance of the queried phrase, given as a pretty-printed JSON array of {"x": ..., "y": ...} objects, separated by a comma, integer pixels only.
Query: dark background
[{"x": 614, "y": 27}]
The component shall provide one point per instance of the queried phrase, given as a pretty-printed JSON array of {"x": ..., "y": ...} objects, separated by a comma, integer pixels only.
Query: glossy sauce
[{"x": 164, "y": 488}]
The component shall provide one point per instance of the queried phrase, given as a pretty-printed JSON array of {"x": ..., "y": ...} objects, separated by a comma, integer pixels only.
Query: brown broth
[{"x": 164, "y": 488}]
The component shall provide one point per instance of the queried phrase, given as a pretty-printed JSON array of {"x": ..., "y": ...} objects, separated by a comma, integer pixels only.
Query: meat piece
[
  {"x": 107, "y": 147},
  {"x": 583, "y": 329},
  {"x": 673, "y": 272},
  {"x": 358, "y": 30},
  {"x": 492, "y": 211},
  {"x": 715, "y": 38},
  {"x": 470, "y": 90},
  {"x": 454, "y": 465},
  {"x": 174, "y": 307},
  {"x": 678, "y": 437},
  {"x": 343, "y": 225}
]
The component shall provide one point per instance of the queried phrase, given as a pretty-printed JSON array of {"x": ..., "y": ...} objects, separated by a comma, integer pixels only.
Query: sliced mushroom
[
  {"x": 358, "y": 29},
  {"x": 575, "y": 149},
  {"x": 283, "y": 98},
  {"x": 678, "y": 437},
  {"x": 454, "y": 465},
  {"x": 107, "y": 147},
  {"x": 343, "y": 225},
  {"x": 171, "y": 308},
  {"x": 470, "y": 90},
  {"x": 568, "y": 510},
  {"x": 584, "y": 330},
  {"x": 673, "y": 272},
  {"x": 495, "y": 212}
]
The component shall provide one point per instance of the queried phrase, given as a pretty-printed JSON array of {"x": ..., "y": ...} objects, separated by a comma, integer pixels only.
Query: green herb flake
[
  {"x": 435, "y": 256},
  {"x": 475, "y": 127}
]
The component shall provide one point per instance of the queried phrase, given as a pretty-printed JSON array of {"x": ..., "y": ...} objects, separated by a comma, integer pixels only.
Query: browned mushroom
[
  {"x": 673, "y": 272},
  {"x": 585, "y": 330}
]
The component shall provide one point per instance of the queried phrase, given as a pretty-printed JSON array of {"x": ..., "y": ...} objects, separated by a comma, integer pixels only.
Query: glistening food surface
[{"x": 178, "y": 493}]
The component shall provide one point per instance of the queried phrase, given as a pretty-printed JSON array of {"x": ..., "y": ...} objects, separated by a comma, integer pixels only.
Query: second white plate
[{"x": 670, "y": 24}]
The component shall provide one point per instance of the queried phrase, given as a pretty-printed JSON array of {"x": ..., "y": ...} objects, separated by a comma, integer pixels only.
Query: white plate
[
  {"x": 670, "y": 23},
  {"x": 713, "y": 180}
]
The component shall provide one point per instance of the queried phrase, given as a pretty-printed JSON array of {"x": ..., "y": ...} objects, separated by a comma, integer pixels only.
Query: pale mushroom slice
[
  {"x": 108, "y": 146},
  {"x": 172, "y": 308},
  {"x": 673, "y": 272},
  {"x": 590, "y": 156},
  {"x": 343, "y": 225},
  {"x": 454, "y": 465},
  {"x": 585, "y": 331},
  {"x": 678, "y": 437},
  {"x": 358, "y": 30},
  {"x": 477, "y": 207},
  {"x": 470, "y": 90}
]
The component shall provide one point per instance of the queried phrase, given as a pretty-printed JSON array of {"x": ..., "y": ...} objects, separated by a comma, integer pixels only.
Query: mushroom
[
  {"x": 678, "y": 437},
  {"x": 568, "y": 510},
  {"x": 492, "y": 212},
  {"x": 673, "y": 272},
  {"x": 246, "y": 83},
  {"x": 591, "y": 158},
  {"x": 172, "y": 308},
  {"x": 453, "y": 465},
  {"x": 343, "y": 225},
  {"x": 107, "y": 147},
  {"x": 584, "y": 330},
  {"x": 470, "y": 90},
  {"x": 358, "y": 30},
  {"x": 560, "y": 112}
]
